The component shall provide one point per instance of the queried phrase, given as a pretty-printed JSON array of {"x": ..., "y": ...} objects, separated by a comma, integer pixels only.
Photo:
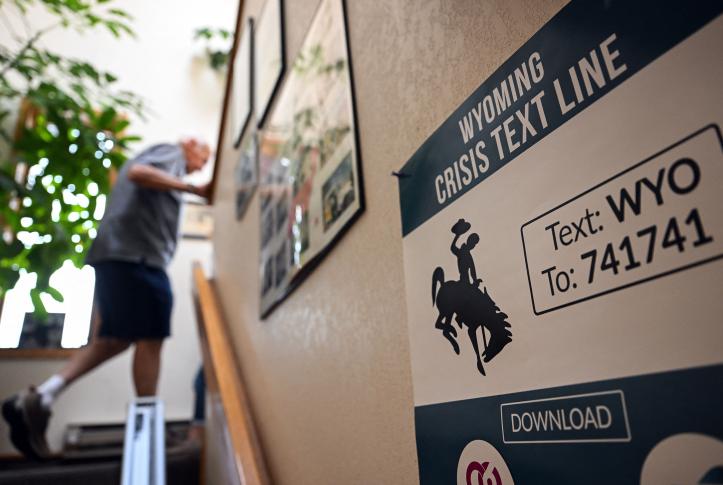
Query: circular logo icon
[
  {"x": 684, "y": 458},
  {"x": 481, "y": 464}
]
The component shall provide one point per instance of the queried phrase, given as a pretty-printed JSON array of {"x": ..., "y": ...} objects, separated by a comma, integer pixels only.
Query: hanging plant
[{"x": 217, "y": 44}]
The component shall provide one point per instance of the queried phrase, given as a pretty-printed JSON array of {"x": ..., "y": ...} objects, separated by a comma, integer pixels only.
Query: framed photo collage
[{"x": 296, "y": 140}]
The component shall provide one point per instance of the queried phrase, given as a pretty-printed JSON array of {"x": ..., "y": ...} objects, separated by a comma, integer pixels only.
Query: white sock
[{"x": 50, "y": 389}]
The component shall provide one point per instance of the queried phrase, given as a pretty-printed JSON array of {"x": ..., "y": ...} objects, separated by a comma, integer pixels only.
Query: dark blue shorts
[{"x": 134, "y": 300}]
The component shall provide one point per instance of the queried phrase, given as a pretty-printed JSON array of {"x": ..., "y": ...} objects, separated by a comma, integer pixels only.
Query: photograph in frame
[
  {"x": 246, "y": 172},
  {"x": 268, "y": 54},
  {"x": 242, "y": 79},
  {"x": 196, "y": 221},
  {"x": 310, "y": 181}
]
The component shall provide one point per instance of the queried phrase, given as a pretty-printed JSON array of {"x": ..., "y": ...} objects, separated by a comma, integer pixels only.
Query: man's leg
[
  {"x": 146, "y": 366},
  {"x": 98, "y": 350},
  {"x": 28, "y": 412},
  {"x": 195, "y": 431}
]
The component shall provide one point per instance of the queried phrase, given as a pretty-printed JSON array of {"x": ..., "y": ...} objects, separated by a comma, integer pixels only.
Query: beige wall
[{"x": 328, "y": 371}]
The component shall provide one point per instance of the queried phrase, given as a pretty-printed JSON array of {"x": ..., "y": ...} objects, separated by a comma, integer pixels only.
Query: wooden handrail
[{"x": 220, "y": 360}]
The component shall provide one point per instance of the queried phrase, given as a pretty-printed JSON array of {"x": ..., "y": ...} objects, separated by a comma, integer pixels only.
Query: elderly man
[{"x": 133, "y": 298}]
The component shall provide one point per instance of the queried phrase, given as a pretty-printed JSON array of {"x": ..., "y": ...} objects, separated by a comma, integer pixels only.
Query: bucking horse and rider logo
[{"x": 464, "y": 301}]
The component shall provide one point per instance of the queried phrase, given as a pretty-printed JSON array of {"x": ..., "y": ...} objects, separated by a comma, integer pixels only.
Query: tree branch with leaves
[{"x": 70, "y": 135}]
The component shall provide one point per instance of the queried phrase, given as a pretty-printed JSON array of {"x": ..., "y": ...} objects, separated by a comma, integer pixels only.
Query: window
[{"x": 73, "y": 315}]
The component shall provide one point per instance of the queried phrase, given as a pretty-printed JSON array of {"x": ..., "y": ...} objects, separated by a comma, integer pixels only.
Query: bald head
[{"x": 196, "y": 153}]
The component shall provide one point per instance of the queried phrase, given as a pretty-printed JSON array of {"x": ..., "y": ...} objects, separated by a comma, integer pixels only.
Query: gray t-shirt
[{"x": 141, "y": 224}]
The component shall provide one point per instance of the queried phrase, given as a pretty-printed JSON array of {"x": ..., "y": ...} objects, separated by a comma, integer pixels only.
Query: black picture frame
[
  {"x": 38, "y": 334},
  {"x": 246, "y": 172},
  {"x": 274, "y": 186},
  {"x": 224, "y": 132},
  {"x": 245, "y": 48},
  {"x": 267, "y": 78}
]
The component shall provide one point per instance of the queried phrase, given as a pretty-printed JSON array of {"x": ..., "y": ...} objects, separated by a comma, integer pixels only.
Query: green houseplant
[
  {"x": 217, "y": 45},
  {"x": 57, "y": 159}
]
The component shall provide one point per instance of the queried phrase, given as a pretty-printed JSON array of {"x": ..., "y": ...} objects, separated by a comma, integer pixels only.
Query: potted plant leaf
[{"x": 69, "y": 137}]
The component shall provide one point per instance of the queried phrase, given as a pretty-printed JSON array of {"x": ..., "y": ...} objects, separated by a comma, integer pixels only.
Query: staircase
[{"x": 94, "y": 454}]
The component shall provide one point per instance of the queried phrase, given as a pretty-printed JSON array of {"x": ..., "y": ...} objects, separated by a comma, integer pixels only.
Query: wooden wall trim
[
  {"x": 225, "y": 104},
  {"x": 37, "y": 353},
  {"x": 219, "y": 356}
]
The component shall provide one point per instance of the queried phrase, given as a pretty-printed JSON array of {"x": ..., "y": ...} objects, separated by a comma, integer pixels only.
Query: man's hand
[{"x": 203, "y": 190}]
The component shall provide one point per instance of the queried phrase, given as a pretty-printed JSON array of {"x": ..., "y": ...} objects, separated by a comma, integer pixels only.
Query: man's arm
[
  {"x": 454, "y": 248},
  {"x": 156, "y": 179}
]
